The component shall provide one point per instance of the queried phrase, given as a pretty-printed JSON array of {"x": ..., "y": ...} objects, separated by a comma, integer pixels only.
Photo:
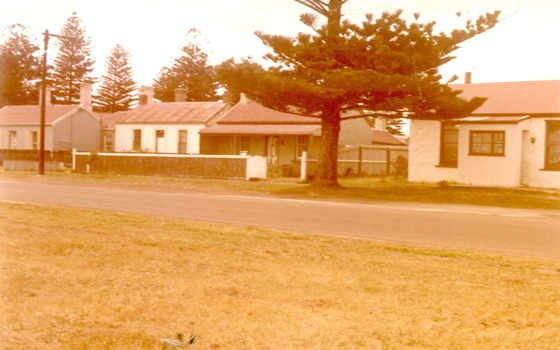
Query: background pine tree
[
  {"x": 73, "y": 63},
  {"x": 115, "y": 92},
  {"x": 19, "y": 67},
  {"x": 191, "y": 70},
  {"x": 394, "y": 126}
]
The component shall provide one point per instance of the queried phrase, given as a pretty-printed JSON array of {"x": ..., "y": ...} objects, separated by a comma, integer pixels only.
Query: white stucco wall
[
  {"x": 523, "y": 163},
  {"x": 423, "y": 156},
  {"x": 491, "y": 170},
  {"x": 533, "y": 157},
  {"x": 124, "y": 137}
]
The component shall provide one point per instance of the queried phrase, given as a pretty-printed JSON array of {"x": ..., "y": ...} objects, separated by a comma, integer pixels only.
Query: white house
[
  {"x": 512, "y": 140},
  {"x": 170, "y": 127}
]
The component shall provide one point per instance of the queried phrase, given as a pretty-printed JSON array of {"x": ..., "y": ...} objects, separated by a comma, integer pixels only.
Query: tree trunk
[
  {"x": 333, "y": 19},
  {"x": 327, "y": 174}
]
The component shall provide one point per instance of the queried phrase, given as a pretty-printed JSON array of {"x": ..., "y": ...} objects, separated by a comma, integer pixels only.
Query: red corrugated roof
[
  {"x": 109, "y": 119},
  {"x": 491, "y": 120},
  {"x": 260, "y": 129},
  {"x": 31, "y": 115},
  {"x": 253, "y": 113},
  {"x": 519, "y": 98},
  {"x": 173, "y": 113},
  {"x": 381, "y": 137}
]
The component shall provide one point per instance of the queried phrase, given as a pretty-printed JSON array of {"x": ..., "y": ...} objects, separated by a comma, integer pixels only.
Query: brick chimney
[
  {"x": 85, "y": 96},
  {"x": 468, "y": 77},
  {"x": 47, "y": 94},
  {"x": 145, "y": 95},
  {"x": 181, "y": 94}
]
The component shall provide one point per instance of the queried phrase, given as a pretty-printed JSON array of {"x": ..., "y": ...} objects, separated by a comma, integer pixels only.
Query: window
[
  {"x": 552, "y": 154},
  {"x": 487, "y": 143},
  {"x": 137, "y": 141},
  {"x": 34, "y": 140},
  {"x": 302, "y": 144},
  {"x": 182, "y": 141},
  {"x": 243, "y": 144},
  {"x": 449, "y": 148},
  {"x": 13, "y": 139}
]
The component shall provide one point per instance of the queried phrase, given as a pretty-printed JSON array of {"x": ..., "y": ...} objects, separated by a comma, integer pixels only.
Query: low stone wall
[{"x": 30, "y": 165}]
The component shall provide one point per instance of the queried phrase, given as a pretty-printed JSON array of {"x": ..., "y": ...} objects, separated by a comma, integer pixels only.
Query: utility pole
[{"x": 43, "y": 97}]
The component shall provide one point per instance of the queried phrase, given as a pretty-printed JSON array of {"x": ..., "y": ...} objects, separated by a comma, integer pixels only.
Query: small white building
[
  {"x": 66, "y": 126},
  {"x": 170, "y": 127},
  {"x": 512, "y": 140}
]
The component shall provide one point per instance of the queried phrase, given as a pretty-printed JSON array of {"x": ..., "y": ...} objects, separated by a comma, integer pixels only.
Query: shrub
[{"x": 400, "y": 167}]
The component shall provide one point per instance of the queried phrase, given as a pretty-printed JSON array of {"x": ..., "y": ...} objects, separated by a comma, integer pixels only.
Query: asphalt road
[{"x": 511, "y": 231}]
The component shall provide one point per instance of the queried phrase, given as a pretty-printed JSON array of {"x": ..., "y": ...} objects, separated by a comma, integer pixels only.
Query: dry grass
[
  {"x": 353, "y": 189},
  {"x": 83, "y": 279}
]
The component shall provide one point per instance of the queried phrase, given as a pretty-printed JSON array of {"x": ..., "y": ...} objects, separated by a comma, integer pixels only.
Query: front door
[
  {"x": 160, "y": 141},
  {"x": 272, "y": 154}
]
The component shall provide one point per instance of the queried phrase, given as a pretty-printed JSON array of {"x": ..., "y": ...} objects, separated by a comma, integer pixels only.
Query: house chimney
[
  {"x": 181, "y": 94},
  {"x": 468, "y": 77},
  {"x": 85, "y": 96},
  {"x": 145, "y": 95},
  {"x": 48, "y": 90}
]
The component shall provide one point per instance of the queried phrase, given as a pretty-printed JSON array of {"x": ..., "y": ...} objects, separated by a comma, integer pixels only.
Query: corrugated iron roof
[
  {"x": 382, "y": 137},
  {"x": 260, "y": 129},
  {"x": 31, "y": 115},
  {"x": 109, "y": 119},
  {"x": 253, "y": 113},
  {"x": 173, "y": 113},
  {"x": 514, "y": 98},
  {"x": 491, "y": 120}
]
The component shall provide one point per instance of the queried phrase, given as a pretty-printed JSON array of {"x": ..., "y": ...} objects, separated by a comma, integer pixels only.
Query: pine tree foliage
[
  {"x": 385, "y": 65},
  {"x": 394, "y": 126},
  {"x": 73, "y": 64},
  {"x": 191, "y": 70},
  {"x": 19, "y": 67},
  {"x": 117, "y": 84}
]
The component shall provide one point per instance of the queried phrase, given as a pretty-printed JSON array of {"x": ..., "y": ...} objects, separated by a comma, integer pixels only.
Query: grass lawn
[
  {"x": 353, "y": 188},
  {"x": 86, "y": 279}
]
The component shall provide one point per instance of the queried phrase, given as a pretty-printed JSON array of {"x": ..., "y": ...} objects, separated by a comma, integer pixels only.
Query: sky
[{"x": 523, "y": 46}]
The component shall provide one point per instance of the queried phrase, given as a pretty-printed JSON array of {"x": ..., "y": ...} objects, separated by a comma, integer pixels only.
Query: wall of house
[
  {"x": 533, "y": 157},
  {"x": 522, "y": 164},
  {"x": 170, "y": 143},
  {"x": 217, "y": 144},
  {"x": 424, "y": 153},
  {"x": 258, "y": 146},
  {"x": 23, "y": 133},
  {"x": 491, "y": 170},
  {"x": 81, "y": 131},
  {"x": 354, "y": 132}
]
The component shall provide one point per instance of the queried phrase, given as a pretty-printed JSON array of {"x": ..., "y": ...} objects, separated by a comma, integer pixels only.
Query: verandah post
[{"x": 388, "y": 161}]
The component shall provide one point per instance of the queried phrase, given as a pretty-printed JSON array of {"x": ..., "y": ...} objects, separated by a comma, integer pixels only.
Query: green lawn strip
[{"x": 87, "y": 279}]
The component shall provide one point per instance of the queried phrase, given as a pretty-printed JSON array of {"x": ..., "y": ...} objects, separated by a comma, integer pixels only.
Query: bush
[{"x": 400, "y": 167}]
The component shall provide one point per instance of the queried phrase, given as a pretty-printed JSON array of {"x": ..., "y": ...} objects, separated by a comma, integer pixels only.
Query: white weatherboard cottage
[
  {"x": 170, "y": 127},
  {"x": 66, "y": 126},
  {"x": 512, "y": 140}
]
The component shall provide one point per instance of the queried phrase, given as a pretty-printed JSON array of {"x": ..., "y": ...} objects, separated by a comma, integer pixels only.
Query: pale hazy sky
[{"x": 522, "y": 47}]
